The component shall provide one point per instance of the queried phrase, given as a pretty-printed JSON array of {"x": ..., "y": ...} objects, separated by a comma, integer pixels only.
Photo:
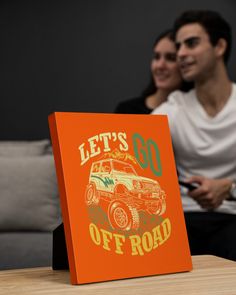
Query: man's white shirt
[{"x": 203, "y": 145}]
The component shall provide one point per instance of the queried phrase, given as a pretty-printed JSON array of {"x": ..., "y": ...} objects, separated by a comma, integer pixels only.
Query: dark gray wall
[{"x": 81, "y": 56}]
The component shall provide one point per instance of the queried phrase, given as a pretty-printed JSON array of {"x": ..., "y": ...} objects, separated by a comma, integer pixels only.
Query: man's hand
[{"x": 211, "y": 192}]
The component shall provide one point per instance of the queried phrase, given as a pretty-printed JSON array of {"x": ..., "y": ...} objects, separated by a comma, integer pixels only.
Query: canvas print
[{"x": 119, "y": 194}]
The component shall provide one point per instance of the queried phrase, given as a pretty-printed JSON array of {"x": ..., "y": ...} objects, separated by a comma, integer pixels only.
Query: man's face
[{"x": 195, "y": 54}]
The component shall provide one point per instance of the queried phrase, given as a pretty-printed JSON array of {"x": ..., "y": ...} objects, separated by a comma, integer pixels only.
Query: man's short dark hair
[{"x": 213, "y": 23}]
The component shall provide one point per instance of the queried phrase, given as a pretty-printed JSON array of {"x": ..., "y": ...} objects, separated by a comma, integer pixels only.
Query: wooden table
[{"x": 211, "y": 275}]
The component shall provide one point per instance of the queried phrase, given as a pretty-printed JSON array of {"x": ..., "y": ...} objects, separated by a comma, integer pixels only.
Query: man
[{"x": 203, "y": 129}]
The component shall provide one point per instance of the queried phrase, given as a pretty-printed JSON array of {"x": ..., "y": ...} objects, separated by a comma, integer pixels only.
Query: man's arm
[{"x": 211, "y": 192}]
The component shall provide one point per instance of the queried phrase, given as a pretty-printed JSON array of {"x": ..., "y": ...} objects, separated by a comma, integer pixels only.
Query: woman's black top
[{"x": 133, "y": 106}]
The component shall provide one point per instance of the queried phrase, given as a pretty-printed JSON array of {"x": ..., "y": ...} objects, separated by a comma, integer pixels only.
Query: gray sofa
[{"x": 29, "y": 204}]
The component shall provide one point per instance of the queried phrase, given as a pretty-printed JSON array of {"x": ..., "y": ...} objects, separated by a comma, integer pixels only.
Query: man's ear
[{"x": 221, "y": 47}]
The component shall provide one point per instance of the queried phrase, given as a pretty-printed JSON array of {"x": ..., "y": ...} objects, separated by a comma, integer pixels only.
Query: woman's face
[{"x": 164, "y": 66}]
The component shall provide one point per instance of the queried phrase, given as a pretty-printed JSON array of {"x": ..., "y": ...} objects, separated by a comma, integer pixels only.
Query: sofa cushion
[
  {"x": 25, "y": 249},
  {"x": 28, "y": 194},
  {"x": 24, "y": 148}
]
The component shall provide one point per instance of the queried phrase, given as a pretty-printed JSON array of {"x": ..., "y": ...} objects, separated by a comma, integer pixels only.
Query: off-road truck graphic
[{"x": 127, "y": 193}]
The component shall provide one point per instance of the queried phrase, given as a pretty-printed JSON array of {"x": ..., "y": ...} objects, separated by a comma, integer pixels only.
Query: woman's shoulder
[{"x": 132, "y": 106}]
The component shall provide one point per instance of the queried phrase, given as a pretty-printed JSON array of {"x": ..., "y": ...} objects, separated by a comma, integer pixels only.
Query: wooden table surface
[{"x": 210, "y": 275}]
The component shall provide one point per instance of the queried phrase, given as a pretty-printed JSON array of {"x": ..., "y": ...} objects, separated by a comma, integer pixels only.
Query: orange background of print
[{"x": 89, "y": 262}]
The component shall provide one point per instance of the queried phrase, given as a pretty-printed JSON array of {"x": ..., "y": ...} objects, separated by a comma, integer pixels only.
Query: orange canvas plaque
[{"x": 119, "y": 196}]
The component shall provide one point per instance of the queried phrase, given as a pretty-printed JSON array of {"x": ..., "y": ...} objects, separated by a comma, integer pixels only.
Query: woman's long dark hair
[{"x": 151, "y": 87}]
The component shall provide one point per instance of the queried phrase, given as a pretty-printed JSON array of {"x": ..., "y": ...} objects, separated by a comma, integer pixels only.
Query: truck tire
[
  {"x": 91, "y": 195},
  {"x": 158, "y": 208},
  {"x": 123, "y": 216}
]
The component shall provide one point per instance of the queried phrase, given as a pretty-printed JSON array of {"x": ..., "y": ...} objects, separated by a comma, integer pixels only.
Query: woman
[{"x": 165, "y": 78}]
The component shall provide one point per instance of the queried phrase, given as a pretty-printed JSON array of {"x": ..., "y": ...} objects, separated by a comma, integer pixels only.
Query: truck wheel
[
  {"x": 158, "y": 208},
  {"x": 123, "y": 216},
  {"x": 163, "y": 207},
  {"x": 91, "y": 195}
]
